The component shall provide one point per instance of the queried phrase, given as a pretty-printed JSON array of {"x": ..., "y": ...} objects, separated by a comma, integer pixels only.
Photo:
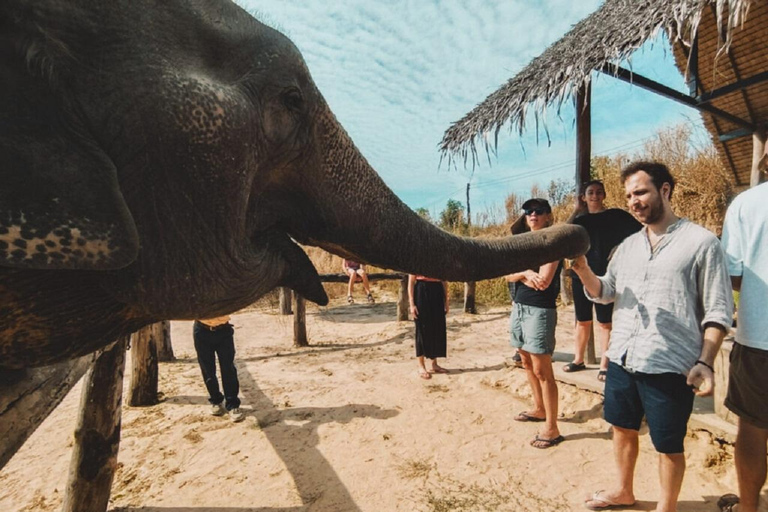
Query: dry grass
[{"x": 412, "y": 469}]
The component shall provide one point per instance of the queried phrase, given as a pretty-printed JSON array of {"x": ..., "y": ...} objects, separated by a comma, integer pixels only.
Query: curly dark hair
[{"x": 658, "y": 172}]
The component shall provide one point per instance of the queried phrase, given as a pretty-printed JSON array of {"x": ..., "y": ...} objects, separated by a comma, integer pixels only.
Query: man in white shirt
[
  {"x": 745, "y": 239},
  {"x": 672, "y": 306}
]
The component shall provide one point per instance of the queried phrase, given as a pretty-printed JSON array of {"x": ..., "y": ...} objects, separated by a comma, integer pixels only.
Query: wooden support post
[
  {"x": 144, "y": 371},
  {"x": 164, "y": 347},
  {"x": 28, "y": 396},
  {"x": 402, "y": 301},
  {"x": 285, "y": 300},
  {"x": 758, "y": 156},
  {"x": 469, "y": 298},
  {"x": 566, "y": 292},
  {"x": 299, "y": 321},
  {"x": 583, "y": 161},
  {"x": 97, "y": 437}
]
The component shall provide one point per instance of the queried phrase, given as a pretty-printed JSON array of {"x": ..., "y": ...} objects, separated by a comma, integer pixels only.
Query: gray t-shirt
[{"x": 663, "y": 298}]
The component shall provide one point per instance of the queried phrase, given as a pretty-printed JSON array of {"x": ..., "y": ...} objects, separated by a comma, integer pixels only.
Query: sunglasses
[{"x": 537, "y": 211}]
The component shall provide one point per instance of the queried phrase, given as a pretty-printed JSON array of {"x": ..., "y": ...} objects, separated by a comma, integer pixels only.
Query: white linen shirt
[
  {"x": 663, "y": 298},
  {"x": 745, "y": 239}
]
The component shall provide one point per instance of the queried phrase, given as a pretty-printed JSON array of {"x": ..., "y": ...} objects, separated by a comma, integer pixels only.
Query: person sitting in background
[
  {"x": 607, "y": 228},
  {"x": 532, "y": 330},
  {"x": 356, "y": 271}
]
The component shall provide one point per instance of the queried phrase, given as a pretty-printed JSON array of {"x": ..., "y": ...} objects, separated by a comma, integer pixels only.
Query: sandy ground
[{"x": 347, "y": 425}]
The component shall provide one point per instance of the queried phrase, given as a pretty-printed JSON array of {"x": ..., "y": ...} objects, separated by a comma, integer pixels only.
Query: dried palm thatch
[{"x": 608, "y": 36}]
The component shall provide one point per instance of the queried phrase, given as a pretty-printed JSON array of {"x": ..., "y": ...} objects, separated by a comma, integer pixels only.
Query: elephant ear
[{"x": 60, "y": 202}]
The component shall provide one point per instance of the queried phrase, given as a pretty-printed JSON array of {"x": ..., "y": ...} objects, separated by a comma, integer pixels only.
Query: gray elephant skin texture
[{"x": 161, "y": 160}]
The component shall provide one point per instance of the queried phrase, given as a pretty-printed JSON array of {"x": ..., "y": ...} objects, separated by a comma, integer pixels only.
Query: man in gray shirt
[{"x": 672, "y": 306}]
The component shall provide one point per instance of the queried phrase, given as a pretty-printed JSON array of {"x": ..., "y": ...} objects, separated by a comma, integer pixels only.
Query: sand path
[{"x": 347, "y": 425}]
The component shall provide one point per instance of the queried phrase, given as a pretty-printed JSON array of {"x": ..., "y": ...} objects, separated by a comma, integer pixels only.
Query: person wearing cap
[
  {"x": 215, "y": 337},
  {"x": 606, "y": 228},
  {"x": 672, "y": 307},
  {"x": 532, "y": 327}
]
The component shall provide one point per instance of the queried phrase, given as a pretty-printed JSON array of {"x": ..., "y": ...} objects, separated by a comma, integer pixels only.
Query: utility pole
[{"x": 469, "y": 288}]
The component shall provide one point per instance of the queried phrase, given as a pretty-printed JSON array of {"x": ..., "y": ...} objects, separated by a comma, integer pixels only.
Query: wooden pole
[
  {"x": 28, "y": 396},
  {"x": 97, "y": 436},
  {"x": 144, "y": 371},
  {"x": 285, "y": 300},
  {"x": 469, "y": 288},
  {"x": 758, "y": 156},
  {"x": 300, "y": 321},
  {"x": 583, "y": 160},
  {"x": 164, "y": 347},
  {"x": 402, "y": 301}
]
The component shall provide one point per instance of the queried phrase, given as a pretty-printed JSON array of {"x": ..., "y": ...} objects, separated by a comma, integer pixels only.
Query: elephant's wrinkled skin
[{"x": 158, "y": 158}]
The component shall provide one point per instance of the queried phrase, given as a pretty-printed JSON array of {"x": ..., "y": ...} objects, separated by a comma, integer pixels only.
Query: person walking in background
[
  {"x": 428, "y": 300},
  {"x": 356, "y": 271},
  {"x": 607, "y": 228},
  {"x": 673, "y": 305},
  {"x": 215, "y": 337},
  {"x": 745, "y": 239},
  {"x": 532, "y": 330}
]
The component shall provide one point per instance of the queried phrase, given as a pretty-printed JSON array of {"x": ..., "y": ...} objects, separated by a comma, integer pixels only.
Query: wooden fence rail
[{"x": 299, "y": 316}]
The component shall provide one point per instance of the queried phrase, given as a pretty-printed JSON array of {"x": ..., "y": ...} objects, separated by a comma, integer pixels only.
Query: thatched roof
[{"x": 608, "y": 36}]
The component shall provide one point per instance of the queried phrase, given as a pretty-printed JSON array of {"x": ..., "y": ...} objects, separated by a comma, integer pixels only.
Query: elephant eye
[{"x": 293, "y": 100}]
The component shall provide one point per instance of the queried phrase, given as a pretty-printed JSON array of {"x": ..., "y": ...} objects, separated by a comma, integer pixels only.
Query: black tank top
[{"x": 540, "y": 299}]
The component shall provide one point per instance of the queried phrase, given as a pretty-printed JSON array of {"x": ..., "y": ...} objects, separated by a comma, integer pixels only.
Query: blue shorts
[
  {"x": 665, "y": 399},
  {"x": 532, "y": 329}
]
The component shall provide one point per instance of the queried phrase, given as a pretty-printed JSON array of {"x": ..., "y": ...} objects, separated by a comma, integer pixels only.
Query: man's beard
[{"x": 655, "y": 211}]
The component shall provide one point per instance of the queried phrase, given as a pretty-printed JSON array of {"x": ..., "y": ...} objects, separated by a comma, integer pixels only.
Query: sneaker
[
  {"x": 218, "y": 409},
  {"x": 236, "y": 415}
]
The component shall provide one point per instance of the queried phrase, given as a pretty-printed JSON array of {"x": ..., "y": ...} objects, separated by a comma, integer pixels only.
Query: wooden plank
[
  {"x": 402, "y": 301},
  {"x": 344, "y": 278},
  {"x": 28, "y": 396},
  {"x": 144, "y": 366}
]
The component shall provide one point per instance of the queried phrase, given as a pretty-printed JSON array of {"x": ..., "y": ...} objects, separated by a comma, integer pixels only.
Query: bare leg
[
  {"x": 352, "y": 277},
  {"x": 603, "y": 335},
  {"x": 625, "y": 450},
  {"x": 750, "y": 454},
  {"x": 582, "y": 337},
  {"x": 538, "y": 402},
  {"x": 671, "y": 472},
  {"x": 423, "y": 368},
  {"x": 542, "y": 371},
  {"x": 366, "y": 286}
]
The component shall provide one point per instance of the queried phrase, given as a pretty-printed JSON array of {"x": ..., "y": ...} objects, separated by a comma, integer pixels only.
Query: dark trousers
[{"x": 221, "y": 343}]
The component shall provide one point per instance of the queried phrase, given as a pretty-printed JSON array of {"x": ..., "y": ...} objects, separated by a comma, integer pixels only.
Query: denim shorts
[
  {"x": 532, "y": 329},
  {"x": 665, "y": 399}
]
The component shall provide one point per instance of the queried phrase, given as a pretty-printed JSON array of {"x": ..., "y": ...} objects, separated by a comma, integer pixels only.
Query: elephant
[{"x": 165, "y": 159}]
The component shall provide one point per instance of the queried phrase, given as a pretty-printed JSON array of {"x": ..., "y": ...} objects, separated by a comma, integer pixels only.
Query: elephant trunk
[{"x": 358, "y": 216}]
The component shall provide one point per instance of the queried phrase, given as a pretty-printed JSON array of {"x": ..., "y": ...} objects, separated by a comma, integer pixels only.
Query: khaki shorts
[{"x": 748, "y": 385}]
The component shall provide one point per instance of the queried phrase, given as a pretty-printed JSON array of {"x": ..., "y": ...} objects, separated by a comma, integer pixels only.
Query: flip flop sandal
[
  {"x": 601, "y": 375},
  {"x": 350, "y": 300},
  {"x": 603, "y": 503},
  {"x": 546, "y": 443},
  {"x": 727, "y": 502},
  {"x": 425, "y": 375},
  {"x": 524, "y": 416},
  {"x": 370, "y": 299},
  {"x": 573, "y": 367}
]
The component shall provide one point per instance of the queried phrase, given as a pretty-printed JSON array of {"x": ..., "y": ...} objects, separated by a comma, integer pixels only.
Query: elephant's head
[{"x": 160, "y": 159}]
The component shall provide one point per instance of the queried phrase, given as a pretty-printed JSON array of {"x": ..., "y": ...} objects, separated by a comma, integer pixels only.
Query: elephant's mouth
[{"x": 274, "y": 251}]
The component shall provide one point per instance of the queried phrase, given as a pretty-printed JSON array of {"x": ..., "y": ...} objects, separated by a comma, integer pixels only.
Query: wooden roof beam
[
  {"x": 735, "y": 86},
  {"x": 662, "y": 90}
]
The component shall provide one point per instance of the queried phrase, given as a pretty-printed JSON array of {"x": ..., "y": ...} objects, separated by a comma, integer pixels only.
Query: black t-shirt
[
  {"x": 606, "y": 229},
  {"x": 540, "y": 299}
]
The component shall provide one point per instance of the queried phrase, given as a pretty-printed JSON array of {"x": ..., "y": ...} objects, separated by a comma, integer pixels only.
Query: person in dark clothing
[
  {"x": 532, "y": 330},
  {"x": 428, "y": 300},
  {"x": 215, "y": 337},
  {"x": 607, "y": 228}
]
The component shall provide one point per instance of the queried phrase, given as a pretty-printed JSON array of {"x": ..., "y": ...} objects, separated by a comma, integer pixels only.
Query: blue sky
[{"x": 398, "y": 73}]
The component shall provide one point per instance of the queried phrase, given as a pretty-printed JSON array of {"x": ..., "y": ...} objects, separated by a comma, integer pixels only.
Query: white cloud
[{"x": 397, "y": 73}]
